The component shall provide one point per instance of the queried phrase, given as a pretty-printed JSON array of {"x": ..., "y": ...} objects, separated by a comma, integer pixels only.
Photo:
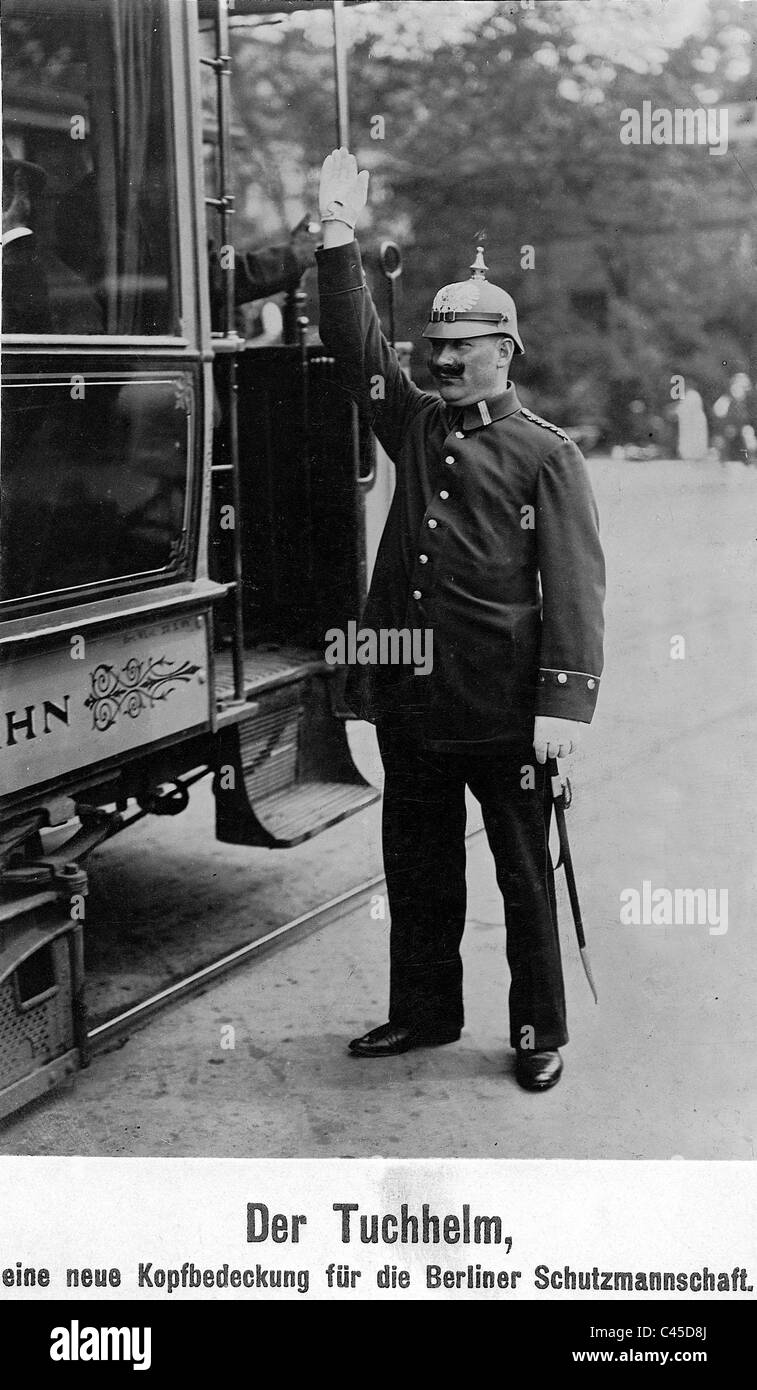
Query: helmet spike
[{"x": 479, "y": 268}]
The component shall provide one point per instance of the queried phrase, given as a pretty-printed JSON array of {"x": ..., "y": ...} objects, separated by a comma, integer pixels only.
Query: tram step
[
  {"x": 285, "y": 772},
  {"x": 263, "y": 667},
  {"x": 296, "y": 815}
]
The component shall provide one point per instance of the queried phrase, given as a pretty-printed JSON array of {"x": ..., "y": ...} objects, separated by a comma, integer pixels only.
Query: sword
[{"x": 562, "y": 795}]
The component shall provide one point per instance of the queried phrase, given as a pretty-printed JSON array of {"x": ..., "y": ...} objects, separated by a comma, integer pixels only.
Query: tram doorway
[{"x": 300, "y": 451}]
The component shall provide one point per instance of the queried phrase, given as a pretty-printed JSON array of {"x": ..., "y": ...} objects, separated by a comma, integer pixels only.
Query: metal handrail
[{"x": 229, "y": 343}]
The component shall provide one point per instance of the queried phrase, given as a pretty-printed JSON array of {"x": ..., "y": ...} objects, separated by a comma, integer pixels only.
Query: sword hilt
[{"x": 562, "y": 790}]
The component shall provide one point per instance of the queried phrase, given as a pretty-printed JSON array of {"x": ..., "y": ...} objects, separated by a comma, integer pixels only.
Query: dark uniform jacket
[
  {"x": 26, "y": 302},
  {"x": 491, "y": 542},
  {"x": 257, "y": 274}
]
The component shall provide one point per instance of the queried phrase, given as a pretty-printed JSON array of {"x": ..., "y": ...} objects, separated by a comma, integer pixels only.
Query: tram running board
[
  {"x": 284, "y": 771},
  {"x": 289, "y": 817}
]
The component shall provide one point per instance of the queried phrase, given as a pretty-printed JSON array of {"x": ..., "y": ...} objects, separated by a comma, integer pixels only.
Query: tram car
[{"x": 184, "y": 514}]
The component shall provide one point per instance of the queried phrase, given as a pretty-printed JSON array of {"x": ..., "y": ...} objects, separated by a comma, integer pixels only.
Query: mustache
[{"x": 442, "y": 373}]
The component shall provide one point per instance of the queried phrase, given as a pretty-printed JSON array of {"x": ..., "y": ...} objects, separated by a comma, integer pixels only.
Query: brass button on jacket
[{"x": 514, "y": 584}]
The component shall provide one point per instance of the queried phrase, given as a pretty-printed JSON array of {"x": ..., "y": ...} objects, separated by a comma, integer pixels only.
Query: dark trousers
[{"x": 424, "y": 861}]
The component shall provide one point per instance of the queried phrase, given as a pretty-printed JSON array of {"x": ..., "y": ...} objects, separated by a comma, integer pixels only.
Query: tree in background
[{"x": 501, "y": 124}]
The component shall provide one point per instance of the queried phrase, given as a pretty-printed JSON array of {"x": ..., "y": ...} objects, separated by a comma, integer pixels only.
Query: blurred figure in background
[
  {"x": 693, "y": 440},
  {"x": 26, "y": 302},
  {"x": 259, "y": 274},
  {"x": 736, "y": 416},
  {"x": 46, "y": 289}
]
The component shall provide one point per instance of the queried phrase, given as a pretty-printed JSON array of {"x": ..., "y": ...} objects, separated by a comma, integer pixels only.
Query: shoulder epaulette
[{"x": 545, "y": 424}]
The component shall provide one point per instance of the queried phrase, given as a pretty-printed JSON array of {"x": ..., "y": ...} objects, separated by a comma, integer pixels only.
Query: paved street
[{"x": 664, "y": 793}]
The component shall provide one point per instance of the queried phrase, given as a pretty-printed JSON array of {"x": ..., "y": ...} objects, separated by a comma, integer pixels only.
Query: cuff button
[
  {"x": 562, "y": 678},
  {"x": 591, "y": 684}
]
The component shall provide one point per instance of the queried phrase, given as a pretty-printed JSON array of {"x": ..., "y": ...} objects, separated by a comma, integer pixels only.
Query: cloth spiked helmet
[{"x": 473, "y": 308}]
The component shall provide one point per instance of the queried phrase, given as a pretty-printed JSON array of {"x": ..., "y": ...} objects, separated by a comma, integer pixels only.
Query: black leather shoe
[
  {"x": 537, "y": 1071},
  {"x": 392, "y": 1038}
]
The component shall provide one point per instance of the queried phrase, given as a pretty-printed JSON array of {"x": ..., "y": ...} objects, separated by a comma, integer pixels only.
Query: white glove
[
  {"x": 555, "y": 738},
  {"x": 343, "y": 191}
]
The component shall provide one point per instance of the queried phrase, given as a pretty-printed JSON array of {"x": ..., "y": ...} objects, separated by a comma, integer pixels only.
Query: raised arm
[{"x": 349, "y": 325}]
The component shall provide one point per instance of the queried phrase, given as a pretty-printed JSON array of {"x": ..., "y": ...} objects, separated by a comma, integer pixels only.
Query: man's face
[{"x": 467, "y": 370}]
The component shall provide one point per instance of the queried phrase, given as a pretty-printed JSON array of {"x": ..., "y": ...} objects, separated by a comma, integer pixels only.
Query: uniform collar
[{"x": 474, "y": 417}]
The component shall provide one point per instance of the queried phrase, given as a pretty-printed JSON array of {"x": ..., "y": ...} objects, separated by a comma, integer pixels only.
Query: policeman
[{"x": 492, "y": 545}]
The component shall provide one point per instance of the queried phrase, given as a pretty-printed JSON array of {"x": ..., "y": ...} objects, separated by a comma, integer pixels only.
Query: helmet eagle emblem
[{"x": 458, "y": 298}]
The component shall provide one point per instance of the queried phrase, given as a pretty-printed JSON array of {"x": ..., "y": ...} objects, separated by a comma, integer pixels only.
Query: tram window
[
  {"x": 94, "y": 481},
  {"x": 89, "y": 207}
]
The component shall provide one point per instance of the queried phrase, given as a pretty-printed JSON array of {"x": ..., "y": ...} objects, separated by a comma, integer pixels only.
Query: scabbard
[{"x": 560, "y": 800}]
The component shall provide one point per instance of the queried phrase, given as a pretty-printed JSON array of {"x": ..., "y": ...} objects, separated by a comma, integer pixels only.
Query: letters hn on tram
[{"x": 184, "y": 513}]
